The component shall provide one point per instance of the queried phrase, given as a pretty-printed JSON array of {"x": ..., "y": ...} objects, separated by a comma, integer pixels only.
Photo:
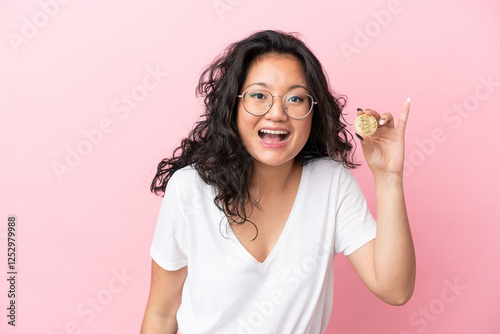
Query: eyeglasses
[{"x": 257, "y": 102}]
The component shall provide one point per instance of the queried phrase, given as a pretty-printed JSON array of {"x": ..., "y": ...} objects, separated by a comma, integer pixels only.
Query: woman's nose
[{"x": 276, "y": 113}]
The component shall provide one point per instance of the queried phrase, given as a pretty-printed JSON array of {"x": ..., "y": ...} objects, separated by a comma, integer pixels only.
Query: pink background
[{"x": 65, "y": 66}]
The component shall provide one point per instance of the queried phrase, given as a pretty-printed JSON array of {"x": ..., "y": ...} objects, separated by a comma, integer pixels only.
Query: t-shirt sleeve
[
  {"x": 355, "y": 225},
  {"x": 167, "y": 246}
]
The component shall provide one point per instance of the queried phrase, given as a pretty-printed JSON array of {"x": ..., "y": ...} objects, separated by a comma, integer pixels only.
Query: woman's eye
[
  {"x": 295, "y": 99},
  {"x": 258, "y": 96}
]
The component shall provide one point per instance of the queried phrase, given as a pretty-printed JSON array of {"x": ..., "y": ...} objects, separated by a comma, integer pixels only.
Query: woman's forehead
[
  {"x": 273, "y": 69},
  {"x": 267, "y": 57}
]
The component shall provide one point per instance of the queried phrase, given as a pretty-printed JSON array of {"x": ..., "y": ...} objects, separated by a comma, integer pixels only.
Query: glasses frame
[{"x": 282, "y": 102}]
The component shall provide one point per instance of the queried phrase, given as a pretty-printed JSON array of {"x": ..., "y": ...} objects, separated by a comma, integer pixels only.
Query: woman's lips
[{"x": 274, "y": 138}]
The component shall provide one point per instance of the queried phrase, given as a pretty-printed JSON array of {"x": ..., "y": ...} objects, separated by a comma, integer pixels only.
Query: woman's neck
[{"x": 274, "y": 179}]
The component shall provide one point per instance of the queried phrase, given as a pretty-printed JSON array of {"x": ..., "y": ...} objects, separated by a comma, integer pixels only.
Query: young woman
[{"x": 259, "y": 198}]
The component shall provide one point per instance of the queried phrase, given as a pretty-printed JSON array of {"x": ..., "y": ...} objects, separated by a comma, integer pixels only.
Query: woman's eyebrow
[
  {"x": 263, "y": 84},
  {"x": 297, "y": 86}
]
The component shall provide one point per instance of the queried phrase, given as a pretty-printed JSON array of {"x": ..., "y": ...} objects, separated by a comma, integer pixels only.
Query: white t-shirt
[{"x": 226, "y": 289}]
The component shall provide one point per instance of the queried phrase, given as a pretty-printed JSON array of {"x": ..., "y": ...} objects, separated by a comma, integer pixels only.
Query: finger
[
  {"x": 386, "y": 120},
  {"x": 373, "y": 113},
  {"x": 360, "y": 111},
  {"x": 404, "y": 116},
  {"x": 366, "y": 144},
  {"x": 363, "y": 139}
]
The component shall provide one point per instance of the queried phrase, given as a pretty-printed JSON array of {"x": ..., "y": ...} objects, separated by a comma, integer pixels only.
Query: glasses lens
[
  {"x": 298, "y": 105},
  {"x": 257, "y": 102}
]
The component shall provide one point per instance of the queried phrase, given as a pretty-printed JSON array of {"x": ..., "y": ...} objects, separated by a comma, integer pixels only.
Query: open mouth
[{"x": 273, "y": 136}]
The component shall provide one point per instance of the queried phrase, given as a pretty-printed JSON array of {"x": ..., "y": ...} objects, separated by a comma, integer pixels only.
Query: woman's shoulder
[
  {"x": 324, "y": 164},
  {"x": 188, "y": 182},
  {"x": 187, "y": 173},
  {"x": 334, "y": 175},
  {"x": 186, "y": 176},
  {"x": 325, "y": 170}
]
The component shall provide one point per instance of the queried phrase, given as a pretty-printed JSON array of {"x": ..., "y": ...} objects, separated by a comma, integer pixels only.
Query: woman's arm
[
  {"x": 387, "y": 264},
  {"x": 164, "y": 300}
]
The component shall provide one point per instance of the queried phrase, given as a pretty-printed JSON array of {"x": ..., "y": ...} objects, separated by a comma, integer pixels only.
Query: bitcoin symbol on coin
[{"x": 365, "y": 124}]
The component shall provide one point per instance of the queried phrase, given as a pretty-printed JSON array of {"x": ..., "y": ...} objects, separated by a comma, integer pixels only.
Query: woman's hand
[{"x": 384, "y": 149}]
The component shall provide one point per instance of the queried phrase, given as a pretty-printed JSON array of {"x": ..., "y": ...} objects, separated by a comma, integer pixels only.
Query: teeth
[{"x": 274, "y": 132}]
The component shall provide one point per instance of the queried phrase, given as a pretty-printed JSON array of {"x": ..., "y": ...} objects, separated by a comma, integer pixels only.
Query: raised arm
[
  {"x": 164, "y": 300},
  {"x": 387, "y": 264}
]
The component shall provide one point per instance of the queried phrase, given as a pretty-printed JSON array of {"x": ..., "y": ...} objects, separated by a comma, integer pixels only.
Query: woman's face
[{"x": 279, "y": 75}]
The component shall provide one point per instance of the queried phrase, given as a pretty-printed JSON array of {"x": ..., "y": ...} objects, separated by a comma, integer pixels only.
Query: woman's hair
[{"x": 214, "y": 146}]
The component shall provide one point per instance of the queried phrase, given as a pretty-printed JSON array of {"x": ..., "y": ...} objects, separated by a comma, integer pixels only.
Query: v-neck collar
[{"x": 250, "y": 259}]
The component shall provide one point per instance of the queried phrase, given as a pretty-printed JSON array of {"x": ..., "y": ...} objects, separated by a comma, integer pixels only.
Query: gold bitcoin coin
[{"x": 365, "y": 124}]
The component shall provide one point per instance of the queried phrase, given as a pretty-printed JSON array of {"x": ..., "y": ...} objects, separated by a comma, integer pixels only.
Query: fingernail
[
  {"x": 408, "y": 99},
  {"x": 359, "y": 109},
  {"x": 382, "y": 121},
  {"x": 360, "y": 138}
]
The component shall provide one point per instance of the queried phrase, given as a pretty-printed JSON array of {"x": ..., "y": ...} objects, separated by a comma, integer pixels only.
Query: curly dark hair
[{"x": 214, "y": 146}]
